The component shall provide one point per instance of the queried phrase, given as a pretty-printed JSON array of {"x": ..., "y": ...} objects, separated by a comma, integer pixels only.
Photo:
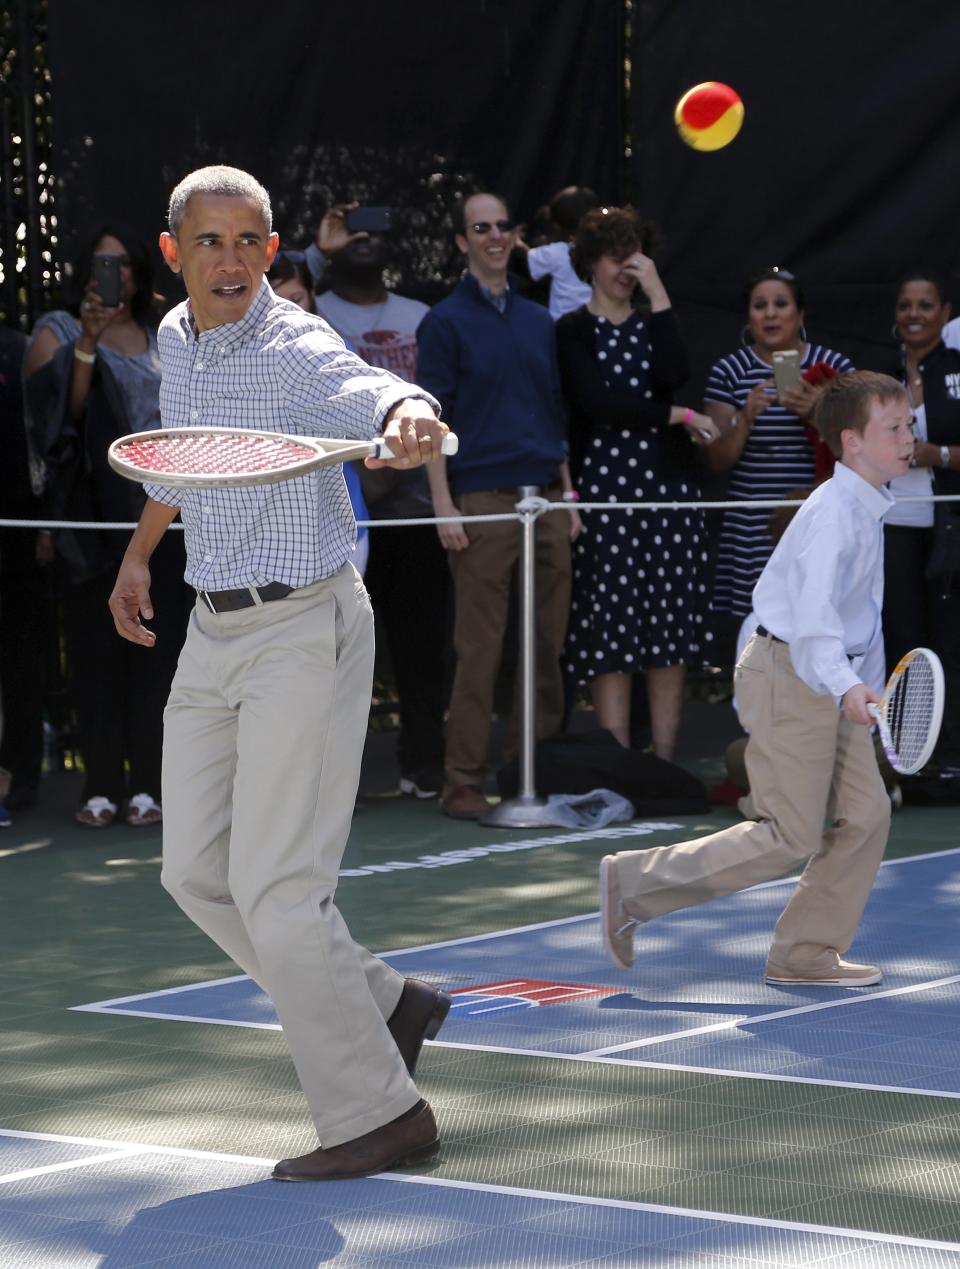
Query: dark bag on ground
[
  {"x": 931, "y": 787},
  {"x": 596, "y": 760}
]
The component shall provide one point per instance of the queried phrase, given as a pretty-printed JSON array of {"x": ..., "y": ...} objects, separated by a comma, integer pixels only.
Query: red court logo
[{"x": 523, "y": 993}]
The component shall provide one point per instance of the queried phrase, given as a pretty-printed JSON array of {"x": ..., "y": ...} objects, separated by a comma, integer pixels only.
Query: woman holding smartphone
[
  {"x": 763, "y": 440},
  {"x": 92, "y": 374}
]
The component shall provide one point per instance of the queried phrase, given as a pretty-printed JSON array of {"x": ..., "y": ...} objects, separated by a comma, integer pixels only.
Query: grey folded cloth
[{"x": 595, "y": 809}]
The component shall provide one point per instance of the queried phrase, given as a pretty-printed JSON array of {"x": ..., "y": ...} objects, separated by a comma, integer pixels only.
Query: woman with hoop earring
[
  {"x": 922, "y": 539},
  {"x": 764, "y": 442}
]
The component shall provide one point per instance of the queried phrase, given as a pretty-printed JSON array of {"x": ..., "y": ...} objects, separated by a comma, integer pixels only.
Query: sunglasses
[{"x": 484, "y": 226}]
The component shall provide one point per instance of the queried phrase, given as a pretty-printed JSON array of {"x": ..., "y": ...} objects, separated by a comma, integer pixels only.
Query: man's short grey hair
[{"x": 231, "y": 182}]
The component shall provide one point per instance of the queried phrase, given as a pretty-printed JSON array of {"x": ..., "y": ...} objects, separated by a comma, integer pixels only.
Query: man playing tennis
[
  {"x": 804, "y": 682},
  {"x": 264, "y": 728}
]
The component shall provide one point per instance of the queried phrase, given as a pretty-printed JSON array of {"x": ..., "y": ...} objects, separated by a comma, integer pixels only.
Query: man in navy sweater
[{"x": 489, "y": 357}]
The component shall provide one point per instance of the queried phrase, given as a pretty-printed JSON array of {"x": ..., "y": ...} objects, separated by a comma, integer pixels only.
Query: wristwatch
[{"x": 944, "y": 455}]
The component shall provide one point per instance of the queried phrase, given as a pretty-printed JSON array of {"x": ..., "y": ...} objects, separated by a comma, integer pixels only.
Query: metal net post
[{"x": 526, "y": 810}]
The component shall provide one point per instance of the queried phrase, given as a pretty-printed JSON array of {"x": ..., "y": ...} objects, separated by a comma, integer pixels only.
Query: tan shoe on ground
[{"x": 843, "y": 974}]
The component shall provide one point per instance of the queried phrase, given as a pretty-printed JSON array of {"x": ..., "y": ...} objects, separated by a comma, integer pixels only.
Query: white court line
[
  {"x": 602, "y": 1055},
  {"x": 728, "y": 1023},
  {"x": 106, "y": 1006},
  {"x": 555, "y": 1056},
  {"x": 691, "y": 1213},
  {"x": 505, "y": 1004},
  {"x": 69, "y": 1165},
  {"x": 769, "y": 1076},
  {"x": 175, "y": 1017},
  {"x": 100, "y": 1006},
  {"x": 136, "y": 1147},
  {"x": 164, "y": 991},
  {"x": 131, "y": 1149}
]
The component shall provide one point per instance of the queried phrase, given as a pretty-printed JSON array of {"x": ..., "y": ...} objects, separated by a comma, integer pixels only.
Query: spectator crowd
[{"x": 559, "y": 362}]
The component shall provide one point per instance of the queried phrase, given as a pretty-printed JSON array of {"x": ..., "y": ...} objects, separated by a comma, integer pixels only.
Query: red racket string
[{"x": 220, "y": 455}]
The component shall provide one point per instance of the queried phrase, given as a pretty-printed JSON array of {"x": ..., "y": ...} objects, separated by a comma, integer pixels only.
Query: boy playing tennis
[{"x": 804, "y": 682}]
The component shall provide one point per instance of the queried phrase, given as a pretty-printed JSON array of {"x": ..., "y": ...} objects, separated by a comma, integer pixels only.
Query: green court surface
[{"x": 84, "y": 919}]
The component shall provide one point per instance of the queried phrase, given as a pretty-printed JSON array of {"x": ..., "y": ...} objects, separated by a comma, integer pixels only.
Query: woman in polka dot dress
[{"x": 639, "y": 587}]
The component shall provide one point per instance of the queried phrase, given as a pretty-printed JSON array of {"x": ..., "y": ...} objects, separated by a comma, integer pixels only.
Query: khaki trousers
[
  {"x": 482, "y": 576},
  {"x": 263, "y": 736},
  {"x": 808, "y": 766}
]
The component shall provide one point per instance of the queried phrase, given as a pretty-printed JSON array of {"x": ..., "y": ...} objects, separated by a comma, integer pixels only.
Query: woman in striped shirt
[{"x": 763, "y": 438}]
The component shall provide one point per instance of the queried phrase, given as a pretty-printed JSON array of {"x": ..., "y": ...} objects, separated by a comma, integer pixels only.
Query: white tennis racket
[
  {"x": 911, "y": 711},
  {"x": 223, "y": 457}
]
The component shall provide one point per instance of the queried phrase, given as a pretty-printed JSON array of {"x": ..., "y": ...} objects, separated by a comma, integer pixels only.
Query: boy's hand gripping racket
[
  {"x": 909, "y": 716},
  {"x": 224, "y": 457}
]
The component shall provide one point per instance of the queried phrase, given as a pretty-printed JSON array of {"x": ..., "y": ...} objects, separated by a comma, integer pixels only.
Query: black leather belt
[{"x": 233, "y": 600}]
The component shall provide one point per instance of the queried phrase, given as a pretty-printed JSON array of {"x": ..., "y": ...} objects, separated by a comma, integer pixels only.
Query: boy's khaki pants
[
  {"x": 819, "y": 798},
  {"x": 263, "y": 736}
]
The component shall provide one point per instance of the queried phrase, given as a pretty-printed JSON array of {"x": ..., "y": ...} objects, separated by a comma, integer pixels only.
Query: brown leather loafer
[
  {"x": 463, "y": 802},
  {"x": 419, "y": 1015},
  {"x": 402, "y": 1142}
]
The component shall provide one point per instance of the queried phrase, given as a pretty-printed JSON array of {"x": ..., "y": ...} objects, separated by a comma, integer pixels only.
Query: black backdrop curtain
[
  {"x": 847, "y": 170},
  {"x": 384, "y": 102}
]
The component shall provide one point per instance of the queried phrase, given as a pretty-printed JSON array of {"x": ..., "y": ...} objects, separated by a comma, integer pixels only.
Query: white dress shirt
[{"x": 822, "y": 589}]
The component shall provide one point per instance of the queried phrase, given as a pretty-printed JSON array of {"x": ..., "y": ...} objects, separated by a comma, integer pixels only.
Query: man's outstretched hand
[
  {"x": 130, "y": 600},
  {"x": 413, "y": 433}
]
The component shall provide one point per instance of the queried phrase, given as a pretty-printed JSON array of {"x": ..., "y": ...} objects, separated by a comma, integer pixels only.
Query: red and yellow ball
[{"x": 709, "y": 116}]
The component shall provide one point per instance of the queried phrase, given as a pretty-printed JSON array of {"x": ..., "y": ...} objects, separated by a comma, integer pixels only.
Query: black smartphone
[
  {"x": 106, "y": 277},
  {"x": 371, "y": 220}
]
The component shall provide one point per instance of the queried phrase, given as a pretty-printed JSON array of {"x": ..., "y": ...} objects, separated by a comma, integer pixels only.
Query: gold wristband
[{"x": 87, "y": 358}]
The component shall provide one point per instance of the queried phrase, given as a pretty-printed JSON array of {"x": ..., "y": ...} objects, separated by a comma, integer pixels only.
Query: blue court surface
[
  {"x": 695, "y": 998},
  {"x": 75, "y": 1203}
]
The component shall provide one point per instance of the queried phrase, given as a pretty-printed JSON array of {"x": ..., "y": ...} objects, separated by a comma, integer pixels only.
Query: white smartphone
[{"x": 786, "y": 369}]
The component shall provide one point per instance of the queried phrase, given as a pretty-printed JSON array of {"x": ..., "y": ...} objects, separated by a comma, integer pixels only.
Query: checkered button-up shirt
[{"x": 278, "y": 369}]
